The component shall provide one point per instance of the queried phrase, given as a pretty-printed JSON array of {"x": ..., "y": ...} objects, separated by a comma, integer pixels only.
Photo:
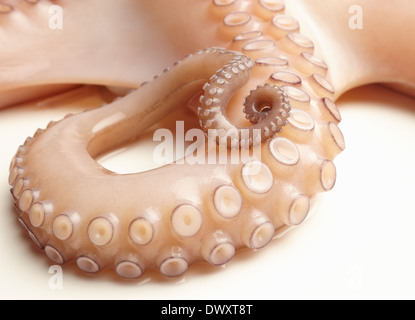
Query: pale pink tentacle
[{"x": 171, "y": 217}]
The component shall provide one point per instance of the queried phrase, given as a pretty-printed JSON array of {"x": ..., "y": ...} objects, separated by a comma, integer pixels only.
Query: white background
[{"x": 359, "y": 242}]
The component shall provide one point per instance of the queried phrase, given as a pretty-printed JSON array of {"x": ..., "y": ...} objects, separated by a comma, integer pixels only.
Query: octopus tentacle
[
  {"x": 63, "y": 224},
  {"x": 128, "y": 232},
  {"x": 179, "y": 214},
  {"x": 267, "y": 108}
]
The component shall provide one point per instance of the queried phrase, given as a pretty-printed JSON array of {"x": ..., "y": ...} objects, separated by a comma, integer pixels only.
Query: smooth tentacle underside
[{"x": 185, "y": 212}]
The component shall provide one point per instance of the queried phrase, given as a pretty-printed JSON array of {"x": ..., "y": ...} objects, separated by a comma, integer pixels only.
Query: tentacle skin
[{"x": 179, "y": 214}]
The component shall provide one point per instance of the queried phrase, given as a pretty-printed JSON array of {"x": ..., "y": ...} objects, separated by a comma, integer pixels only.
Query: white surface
[{"x": 359, "y": 243}]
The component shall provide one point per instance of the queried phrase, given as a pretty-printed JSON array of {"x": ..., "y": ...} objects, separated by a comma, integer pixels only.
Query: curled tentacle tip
[{"x": 268, "y": 108}]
